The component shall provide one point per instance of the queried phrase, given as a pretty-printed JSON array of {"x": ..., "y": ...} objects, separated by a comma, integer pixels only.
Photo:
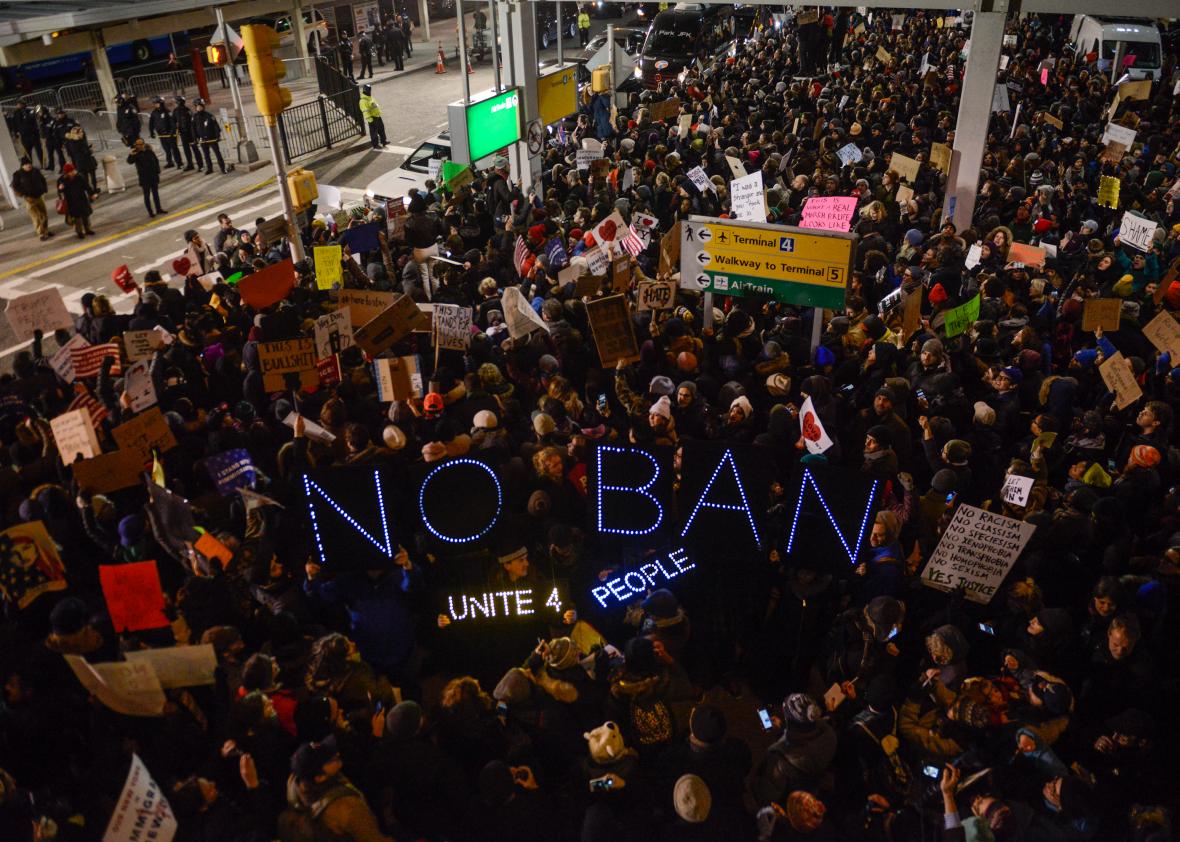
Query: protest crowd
[{"x": 238, "y": 574}]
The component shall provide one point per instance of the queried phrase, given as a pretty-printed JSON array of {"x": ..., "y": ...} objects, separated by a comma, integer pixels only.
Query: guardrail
[{"x": 171, "y": 83}]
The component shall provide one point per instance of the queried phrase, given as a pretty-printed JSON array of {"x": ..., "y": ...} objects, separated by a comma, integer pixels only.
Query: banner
[
  {"x": 815, "y": 437},
  {"x": 74, "y": 435},
  {"x": 142, "y": 813},
  {"x": 333, "y": 333},
  {"x": 452, "y": 326},
  {"x": 30, "y": 564},
  {"x": 231, "y": 470},
  {"x": 976, "y": 552},
  {"x": 747, "y": 199},
  {"x": 134, "y": 596},
  {"x": 42, "y": 310},
  {"x": 87, "y": 361},
  {"x": 268, "y": 286},
  {"x": 828, "y": 213}
]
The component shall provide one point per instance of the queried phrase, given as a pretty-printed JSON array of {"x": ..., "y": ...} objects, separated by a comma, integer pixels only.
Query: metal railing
[
  {"x": 162, "y": 84},
  {"x": 82, "y": 95},
  {"x": 326, "y": 122},
  {"x": 47, "y": 97}
]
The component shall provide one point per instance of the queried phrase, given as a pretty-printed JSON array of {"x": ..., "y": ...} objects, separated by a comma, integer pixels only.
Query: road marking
[
  {"x": 166, "y": 260},
  {"x": 395, "y": 150}
]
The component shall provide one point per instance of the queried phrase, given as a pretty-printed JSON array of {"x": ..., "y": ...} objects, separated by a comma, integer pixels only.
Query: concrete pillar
[
  {"x": 103, "y": 72},
  {"x": 518, "y": 29},
  {"x": 300, "y": 33},
  {"x": 424, "y": 21},
  {"x": 10, "y": 163},
  {"x": 975, "y": 105}
]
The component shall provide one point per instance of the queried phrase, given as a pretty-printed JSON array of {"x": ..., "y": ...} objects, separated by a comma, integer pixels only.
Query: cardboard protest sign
[
  {"x": 87, "y": 361},
  {"x": 231, "y": 470},
  {"x": 1026, "y": 254},
  {"x": 882, "y": 55},
  {"x": 911, "y": 314},
  {"x": 811, "y": 429},
  {"x": 940, "y": 156},
  {"x": 452, "y": 326},
  {"x": 620, "y": 268},
  {"x": 1137, "y": 232},
  {"x": 364, "y": 305},
  {"x": 736, "y": 170},
  {"x": 976, "y": 552},
  {"x": 670, "y": 250},
  {"x": 519, "y": 315},
  {"x": 1116, "y": 374},
  {"x": 143, "y": 344},
  {"x": 134, "y": 596},
  {"x": 1108, "y": 191},
  {"x": 1114, "y": 133},
  {"x": 904, "y": 193},
  {"x": 587, "y": 284},
  {"x": 268, "y": 286},
  {"x": 656, "y": 295},
  {"x": 142, "y": 813},
  {"x": 74, "y": 435},
  {"x": 329, "y": 271},
  {"x": 747, "y": 200},
  {"x": 700, "y": 180},
  {"x": 397, "y": 378},
  {"x": 42, "y": 310},
  {"x": 208, "y": 546},
  {"x": 959, "y": 319},
  {"x": 30, "y": 564},
  {"x": 179, "y": 666},
  {"x": 390, "y": 326},
  {"x": 1101, "y": 313},
  {"x": 904, "y": 166},
  {"x": 828, "y": 213},
  {"x": 665, "y": 110},
  {"x": 128, "y": 688},
  {"x": 294, "y": 357},
  {"x": 333, "y": 333},
  {"x": 138, "y": 386},
  {"x": 109, "y": 472},
  {"x": 1016, "y": 489},
  {"x": 274, "y": 229},
  {"x": 614, "y": 334},
  {"x": 145, "y": 432},
  {"x": 1164, "y": 334},
  {"x": 1053, "y": 121},
  {"x": 1139, "y": 89}
]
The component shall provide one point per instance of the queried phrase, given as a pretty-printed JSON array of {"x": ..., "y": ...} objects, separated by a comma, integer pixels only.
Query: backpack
[
  {"x": 894, "y": 772},
  {"x": 302, "y": 824},
  {"x": 651, "y": 722}
]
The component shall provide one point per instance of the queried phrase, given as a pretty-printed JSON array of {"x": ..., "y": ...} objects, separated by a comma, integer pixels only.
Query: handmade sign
[
  {"x": 134, "y": 596},
  {"x": 1053, "y": 121},
  {"x": 145, "y": 432},
  {"x": 124, "y": 687},
  {"x": 397, "y": 378},
  {"x": 1026, "y": 254},
  {"x": 828, "y": 213},
  {"x": 882, "y": 55},
  {"x": 1108, "y": 191},
  {"x": 74, "y": 435},
  {"x": 940, "y": 156},
  {"x": 109, "y": 472},
  {"x": 179, "y": 666},
  {"x": 142, "y": 813},
  {"x": 608, "y": 232},
  {"x": 42, "y": 310},
  {"x": 143, "y": 344},
  {"x": 811, "y": 429},
  {"x": 329, "y": 270},
  {"x": 62, "y": 362},
  {"x": 138, "y": 386},
  {"x": 364, "y": 305},
  {"x": 210, "y": 280},
  {"x": 959, "y": 319},
  {"x": 1000, "y": 98},
  {"x": 268, "y": 286},
  {"x": 1102, "y": 313},
  {"x": 231, "y": 470},
  {"x": 212, "y": 549},
  {"x": 747, "y": 200},
  {"x": 736, "y": 169},
  {"x": 653, "y": 573},
  {"x": 310, "y": 429},
  {"x": 274, "y": 229},
  {"x": 1016, "y": 489},
  {"x": 1137, "y": 232},
  {"x": 849, "y": 154},
  {"x": 362, "y": 238},
  {"x": 519, "y": 315},
  {"x": 656, "y": 295},
  {"x": 387, "y": 329},
  {"x": 288, "y": 364},
  {"x": 904, "y": 166},
  {"x": 30, "y": 564},
  {"x": 700, "y": 180},
  {"x": 904, "y": 193},
  {"x": 976, "y": 552},
  {"x": 614, "y": 334},
  {"x": 597, "y": 261},
  {"x": 670, "y": 249},
  {"x": 333, "y": 333},
  {"x": 452, "y": 326},
  {"x": 1116, "y": 374},
  {"x": 1118, "y": 134},
  {"x": 1164, "y": 334},
  {"x": 665, "y": 110},
  {"x": 620, "y": 273},
  {"x": 583, "y": 158},
  {"x": 683, "y": 124}
]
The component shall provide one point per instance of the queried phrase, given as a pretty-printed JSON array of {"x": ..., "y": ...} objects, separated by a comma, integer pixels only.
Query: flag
[
  {"x": 158, "y": 471},
  {"x": 815, "y": 437},
  {"x": 558, "y": 258},
  {"x": 88, "y": 361},
  {"x": 98, "y": 412},
  {"x": 30, "y": 564},
  {"x": 632, "y": 243},
  {"x": 520, "y": 254}
]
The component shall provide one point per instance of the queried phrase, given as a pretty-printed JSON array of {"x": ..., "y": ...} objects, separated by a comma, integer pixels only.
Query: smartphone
[
  {"x": 893, "y": 633},
  {"x": 1110, "y": 466},
  {"x": 921, "y": 395},
  {"x": 380, "y": 707},
  {"x": 764, "y": 715},
  {"x": 986, "y": 628},
  {"x": 950, "y": 498},
  {"x": 501, "y": 708},
  {"x": 930, "y": 772},
  {"x": 847, "y": 387},
  {"x": 602, "y": 783}
]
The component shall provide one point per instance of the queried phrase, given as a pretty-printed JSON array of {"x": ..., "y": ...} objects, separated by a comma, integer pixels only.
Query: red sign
[
  {"x": 134, "y": 597},
  {"x": 269, "y": 286}
]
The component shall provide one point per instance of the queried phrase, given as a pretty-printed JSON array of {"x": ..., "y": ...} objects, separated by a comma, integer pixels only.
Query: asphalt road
[{"x": 413, "y": 106}]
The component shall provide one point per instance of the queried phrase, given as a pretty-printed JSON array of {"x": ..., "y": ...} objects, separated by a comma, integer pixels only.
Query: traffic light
[
  {"x": 265, "y": 70},
  {"x": 216, "y": 55}
]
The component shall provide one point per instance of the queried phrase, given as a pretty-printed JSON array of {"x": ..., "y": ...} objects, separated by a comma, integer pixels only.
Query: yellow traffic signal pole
[
  {"x": 271, "y": 98},
  {"x": 230, "y": 71}
]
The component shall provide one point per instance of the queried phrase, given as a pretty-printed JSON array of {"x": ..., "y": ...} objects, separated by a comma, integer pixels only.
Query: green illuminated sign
[{"x": 493, "y": 123}]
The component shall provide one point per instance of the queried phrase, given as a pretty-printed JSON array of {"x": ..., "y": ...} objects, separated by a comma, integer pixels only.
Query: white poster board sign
[
  {"x": 333, "y": 333},
  {"x": 815, "y": 437},
  {"x": 849, "y": 154},
  {"x": 74, "y": 434},
  {"x": 63, "y": 361},
  {"x": 138, "y": 386},
  {"x": 747, "y": 200},
  {"x": 142, "y": 813},
  {"x": 1136, "y": 231},
  {"x": 1016, "y": 489},
  {"x": 179, "y": 666},
  {"x": 1118, "y": 134},
  {"x": 700, "y": 180},
  {"x": 976, "y": 552},
  {"x": 452, "y": 326},
  {"x": 42, "y": 310}
]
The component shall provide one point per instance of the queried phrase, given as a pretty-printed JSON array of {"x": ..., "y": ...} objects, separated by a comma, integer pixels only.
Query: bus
[{"x": 37, "y": 74}]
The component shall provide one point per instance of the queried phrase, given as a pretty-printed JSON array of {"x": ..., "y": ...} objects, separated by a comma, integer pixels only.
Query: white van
[{"x": 1116, "y": 38}]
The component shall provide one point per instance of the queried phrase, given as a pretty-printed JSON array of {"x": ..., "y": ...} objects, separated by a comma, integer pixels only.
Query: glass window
[{"x": 419, "y": 158}]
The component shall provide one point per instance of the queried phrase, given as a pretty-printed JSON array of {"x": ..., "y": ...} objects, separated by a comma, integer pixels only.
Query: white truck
[{"x": 1124, "y": 46}]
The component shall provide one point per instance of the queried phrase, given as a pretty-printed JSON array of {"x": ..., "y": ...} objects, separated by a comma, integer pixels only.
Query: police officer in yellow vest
[
  {"x": 372, "y": 115},
  {"x": 583, "y": 26}
]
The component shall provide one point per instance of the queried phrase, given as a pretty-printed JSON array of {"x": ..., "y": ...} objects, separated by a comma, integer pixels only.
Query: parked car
[
  {"x": 680, "y": 36},
  {"x": 547, "y": 23},
  {"x": 313, "y": 21},
  {"x": 414, "y": 171},
  {"x": 627, "y": 38}
]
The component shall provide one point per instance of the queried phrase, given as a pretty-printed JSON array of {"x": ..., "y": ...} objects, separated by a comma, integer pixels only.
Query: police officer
[
  {"x": 395, "y": 45},
  {"x": 583, "y": 26},
  {"x": 127, "y": 118},
  {"x": 56, "y": 139},
  {"x": 23, "y": 123},
  {"x": 50, "y": 138},
  {"x": 162, "y": 124},
  {"x": 365, "y": 48},
  {"x": 208, "y": 133},
  {"x": 184, "y": 129},
  {"x": 372, "y": 115},
  {"x": 344, "y": 50}
]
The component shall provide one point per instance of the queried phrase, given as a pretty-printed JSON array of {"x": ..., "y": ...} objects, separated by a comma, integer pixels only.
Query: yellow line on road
[{"x": 7, "y": 273}]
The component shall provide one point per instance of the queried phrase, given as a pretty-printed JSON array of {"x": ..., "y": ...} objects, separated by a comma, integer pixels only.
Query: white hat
[
  {"x": 485, "y": 419},
  {"x": 662, "y": 407}
]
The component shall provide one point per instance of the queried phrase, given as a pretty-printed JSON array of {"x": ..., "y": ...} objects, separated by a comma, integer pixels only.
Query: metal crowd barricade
[
  {"x": 46, "y": 97},
  {"x": 83, "y": 95},
  {"x": 320, "y": 124},
  {"x": 163, "y": 84}
]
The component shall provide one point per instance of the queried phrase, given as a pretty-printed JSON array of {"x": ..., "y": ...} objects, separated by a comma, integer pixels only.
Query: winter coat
[
  {"x": 797, "y": 760},
  {"x": 147, "y": 165},
  {"x": 76, "y": 192},
  {"x": 380, "y": 620}
]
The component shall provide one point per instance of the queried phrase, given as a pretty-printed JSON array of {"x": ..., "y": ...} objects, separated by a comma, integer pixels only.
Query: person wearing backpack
[
  {"x": 801, "y": 757},
  {"x": 325, "y": 805}
]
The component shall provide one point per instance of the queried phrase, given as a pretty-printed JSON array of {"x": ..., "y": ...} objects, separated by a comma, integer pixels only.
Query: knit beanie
[
  {"x": 881, "y": 435},
  {"x": 662, "y": 407},
  {"x": 403, "y": 720},
  {"x": 985, "y": 415},
  {"x": 1144, "y": 456},
  {"x": 707, "y": 723}
]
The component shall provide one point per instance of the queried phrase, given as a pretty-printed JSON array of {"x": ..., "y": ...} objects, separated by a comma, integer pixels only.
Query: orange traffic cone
[{"x": 441, "y": 65}]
